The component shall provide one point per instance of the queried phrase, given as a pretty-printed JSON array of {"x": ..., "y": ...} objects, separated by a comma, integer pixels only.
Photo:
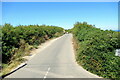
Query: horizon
[{"x": 103, "y": 15}]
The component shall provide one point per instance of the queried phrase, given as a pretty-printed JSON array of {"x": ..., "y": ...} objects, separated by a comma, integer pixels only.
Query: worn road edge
[{"x": 20, "y": 66}]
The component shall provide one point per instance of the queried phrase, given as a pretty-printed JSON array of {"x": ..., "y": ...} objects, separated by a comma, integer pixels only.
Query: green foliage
[
  {"x": 96, "y": 51},
  {"x": 68, "y": 30},
  {"x": 16, "y": 38}
]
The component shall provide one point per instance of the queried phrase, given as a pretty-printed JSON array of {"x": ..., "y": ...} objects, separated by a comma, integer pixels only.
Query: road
[{"x": 55, "y": 61}]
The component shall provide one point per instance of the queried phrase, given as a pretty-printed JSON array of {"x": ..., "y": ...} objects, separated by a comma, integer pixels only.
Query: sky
[
  {"x": 103, "y": 15},
  {"x": 60, "y": 0}
]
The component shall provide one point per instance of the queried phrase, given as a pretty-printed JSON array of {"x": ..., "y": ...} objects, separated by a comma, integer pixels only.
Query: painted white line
[{"x": 46, "y": 73}]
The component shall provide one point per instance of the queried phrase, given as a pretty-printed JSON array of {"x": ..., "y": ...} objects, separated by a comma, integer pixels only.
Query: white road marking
[{"x": 46, "y": 73}]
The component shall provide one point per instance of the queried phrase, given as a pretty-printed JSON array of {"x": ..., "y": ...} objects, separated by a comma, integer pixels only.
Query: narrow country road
[{"x": 55, "y": 61}]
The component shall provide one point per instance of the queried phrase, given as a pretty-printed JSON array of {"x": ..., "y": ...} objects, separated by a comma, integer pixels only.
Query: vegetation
[
  {"x": 96, "y": 50},
  {"x": 16, "y": 41},
  {"x": 68, "y": 30}
]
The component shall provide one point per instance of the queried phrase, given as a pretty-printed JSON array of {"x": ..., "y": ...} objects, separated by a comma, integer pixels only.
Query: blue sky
[
  {"x": 64, "y": 14},
  {"x": 60, "y": 0}
]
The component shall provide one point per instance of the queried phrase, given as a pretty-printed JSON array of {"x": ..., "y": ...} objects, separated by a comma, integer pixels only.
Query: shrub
[
  {"x": 96, "y": 50},
  {"x": 18, "y": 37}
]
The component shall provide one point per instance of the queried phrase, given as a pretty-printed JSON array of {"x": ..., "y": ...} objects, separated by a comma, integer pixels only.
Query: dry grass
[
  {"x": 10, "y": 67},
  {"x": 16, "y": 60},
  {"x": 75, "y": 45}
]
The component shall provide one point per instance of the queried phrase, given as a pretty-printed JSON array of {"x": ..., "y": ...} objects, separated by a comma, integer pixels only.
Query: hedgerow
[
  {"x": 16, "y": 39},
  {"x": 96, "y": 50}
]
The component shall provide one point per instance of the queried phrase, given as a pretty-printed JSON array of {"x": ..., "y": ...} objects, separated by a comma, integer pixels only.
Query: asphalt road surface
[{"x": 56, "y": 61}]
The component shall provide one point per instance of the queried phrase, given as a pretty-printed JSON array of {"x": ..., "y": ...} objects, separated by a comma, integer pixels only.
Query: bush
[
  {"x": 16, "y": 38},
  {"x": 96, "y": 50}
]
